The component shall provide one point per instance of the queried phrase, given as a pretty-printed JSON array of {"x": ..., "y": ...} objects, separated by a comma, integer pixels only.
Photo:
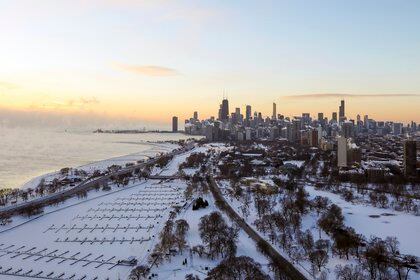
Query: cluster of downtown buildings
[{"x": 335, "y": 134}]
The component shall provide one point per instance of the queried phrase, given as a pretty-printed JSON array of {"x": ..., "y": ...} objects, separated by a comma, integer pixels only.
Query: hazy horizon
[{"x": 122, "y": 62}]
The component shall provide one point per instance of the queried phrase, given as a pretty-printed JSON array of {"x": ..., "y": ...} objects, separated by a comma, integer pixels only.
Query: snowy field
[
  {"x": 365, "y": 219},
  {"x": 86, "y": 238},
  {"x": 87, "y": 241},
  {"x": 369, "y": 220},
  {"x": 196, "y": 265}
]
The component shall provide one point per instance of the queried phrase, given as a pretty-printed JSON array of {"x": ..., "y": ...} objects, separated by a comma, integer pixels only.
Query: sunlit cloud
[
  {"x": 148, "y": 70},
  {"x": 347, "y": 95}
]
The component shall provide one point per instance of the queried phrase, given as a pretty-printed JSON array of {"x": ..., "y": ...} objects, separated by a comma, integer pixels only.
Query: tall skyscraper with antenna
[
  {"x": 342, "y": 112},
  {"x": 224, "y": 108}
]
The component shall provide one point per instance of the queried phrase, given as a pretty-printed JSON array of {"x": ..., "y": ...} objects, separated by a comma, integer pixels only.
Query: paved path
[{"x": 282, "y": 263}]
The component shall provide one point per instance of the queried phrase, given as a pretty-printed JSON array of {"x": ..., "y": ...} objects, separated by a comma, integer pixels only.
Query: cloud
[
  {"x": 148, "y": 70},
  {"x": 349, "y": 95}
]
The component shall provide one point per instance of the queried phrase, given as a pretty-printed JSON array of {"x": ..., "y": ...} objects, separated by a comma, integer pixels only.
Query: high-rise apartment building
[
  {"x": 174, "y": 124},
  {"x": 410, "y": 158},
  {"x": 348, "y": 153},
  {"x": 342, "y": 151}
]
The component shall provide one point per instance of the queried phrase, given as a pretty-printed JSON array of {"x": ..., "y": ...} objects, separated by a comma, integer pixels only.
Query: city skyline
[{"x": 142, "y": 62}]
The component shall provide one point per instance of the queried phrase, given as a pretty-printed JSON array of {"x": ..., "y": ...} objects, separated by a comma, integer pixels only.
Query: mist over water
[{"x": 29, "y": 152}]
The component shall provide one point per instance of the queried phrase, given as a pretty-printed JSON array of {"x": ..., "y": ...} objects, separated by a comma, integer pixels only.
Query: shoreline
[
  {"x": 134, "y": 131},
  {"x": 29, "y": 153},
  {"x": 85, "y": 182},
  {"x": 155, "y": 147}
]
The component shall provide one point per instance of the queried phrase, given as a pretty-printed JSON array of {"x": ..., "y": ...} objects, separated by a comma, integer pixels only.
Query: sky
[{"x": 141, "y": 62}]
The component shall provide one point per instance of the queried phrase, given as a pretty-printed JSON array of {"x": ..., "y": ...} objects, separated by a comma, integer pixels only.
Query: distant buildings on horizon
[{"x": 336, "y": 134}]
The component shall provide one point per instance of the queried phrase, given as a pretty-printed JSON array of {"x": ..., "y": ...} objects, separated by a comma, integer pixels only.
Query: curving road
[
  {"x": 85, "y": 185},
  {"x": 282, "y": 263}
]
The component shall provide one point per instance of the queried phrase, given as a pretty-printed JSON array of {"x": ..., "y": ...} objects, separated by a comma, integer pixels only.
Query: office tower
[
  {"x": 313, "y": 139},
  {"x": 413, "y": 127},
  {"x": 237, "y": 117},
  {"x": 334, "y": 117},
  {"x": 347, "y": 129},
  {"x": 366, "y": 121},
  {"x": 238, "y": 112},
  {"x": 342, "y": 113},
  {"x": 320, "y": 117},
  {"x": 274, "y": 132},
  {"x": 224, "y": 110},
  {"x": 397, "y": 128},
  {"x": 248, "y": 134},
  {"x": 410, "y": 158},
  {"x": 296, "y": 127},
  {"x": 174, "y": 124},
  {"x": 274, "y": 116},
  {"x": 358, "y": 118},
  {"x": 248, "y": 112},
  {"x": 320, "y": 132},
  {"x": 342, "y": 151},
  {"x": 195, "y": 115},
  {"x": 306, "y": 118}
]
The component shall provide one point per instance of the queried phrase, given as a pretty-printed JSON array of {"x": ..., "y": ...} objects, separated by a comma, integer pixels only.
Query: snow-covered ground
[
  {"x": 196, "y": 265},
  {"x": 173, "y": 166},
  {"x": 365, "y": 219},
  {"x": 90, "y": 238},
  {"x": 85, "y": 238},
  {"x": 101, "y": 166},
  {"x": 369, "y": 220},
  {"x": 155, "y": 149},
  {"x": 297, "y": 163}
]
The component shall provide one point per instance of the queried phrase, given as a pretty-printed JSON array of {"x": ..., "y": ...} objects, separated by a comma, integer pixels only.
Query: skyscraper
[
  {"x": 195, "y": 115},
  {"x": 334, "y": 117},
  {"x": 274, "y": 116},
  {"x": 366, "y": 121},
  {"x": 342, "y": 151},
  {"x": 248, "y": 112},
  {"x": 306, "y": 118},
  {"x": 174, "y": 124},
  {"x": 347, "y": 129},
  {"x": 342, "y": 113},
  {"x": 224, "y": 110},
  {"x": 320, "y": 117},
  {"x": 238, "y": 116},
  {"x": 410, "y": 157}
]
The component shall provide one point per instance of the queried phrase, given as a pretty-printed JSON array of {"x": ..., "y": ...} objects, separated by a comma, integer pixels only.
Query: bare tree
[{"x": 139, "y": 273}]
